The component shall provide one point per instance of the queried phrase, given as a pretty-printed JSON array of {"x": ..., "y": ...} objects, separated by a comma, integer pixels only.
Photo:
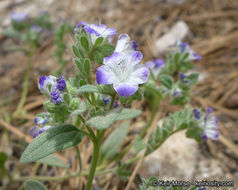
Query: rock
[
  {"x": 178, "y": 32},
  {"x": 175, "y": 159},
  {"x": 176, "y": 2}
]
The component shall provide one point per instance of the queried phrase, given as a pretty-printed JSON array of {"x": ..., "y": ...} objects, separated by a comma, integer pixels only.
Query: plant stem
[
  {"x": 25, "y": 88},
  {"x": 79, "y": 158},
  {"x": 95, "y": 157},
  {"x": 112, "y": 101}
]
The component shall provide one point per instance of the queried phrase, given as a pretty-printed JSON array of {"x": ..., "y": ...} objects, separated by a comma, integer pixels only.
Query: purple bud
[
  {"x": 34, "y": 132},
  {"x": 183, "y": 78},
  {"x": 55, "y": 96},
  {"x": 183, "y": 46},
  {"x": 61, "y": 84},
  {"x": 176, "y": 93},
  {"x": 197, "y": 114},
  {"x": 115, "y": 104},
  {"x": 134, "y": 45}
]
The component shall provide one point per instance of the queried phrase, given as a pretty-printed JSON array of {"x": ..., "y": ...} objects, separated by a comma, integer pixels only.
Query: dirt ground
[{"x": 213, "y": 34}]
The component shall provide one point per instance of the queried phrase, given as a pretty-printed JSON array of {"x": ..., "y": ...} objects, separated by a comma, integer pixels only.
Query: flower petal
[
  {"x": 90, "y": 30},
  {"x": 116, "y": 57},
  {"x": 135, "y": 57},
  {"x": 140, "y": 74},
  {"x": 110, "y": 32},
  {"x": 104, "y": 75},
  {"x": 123, "y": 39},
  {"x": 125, "y": 90}
]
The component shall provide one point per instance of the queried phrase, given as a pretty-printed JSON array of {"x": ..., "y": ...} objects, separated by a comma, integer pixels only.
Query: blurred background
[{"x": 210, "y": 27}]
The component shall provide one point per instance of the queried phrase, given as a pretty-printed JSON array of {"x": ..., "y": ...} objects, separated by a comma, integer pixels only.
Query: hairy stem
[
  {"x": 79, "y": 158},
  {"x": 95, "y": 157}
]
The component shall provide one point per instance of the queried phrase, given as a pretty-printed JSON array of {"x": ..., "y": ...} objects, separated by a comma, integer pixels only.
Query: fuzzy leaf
[
  {"x": 76, "y": 51},
  {"x": 87, "y": 88},
  {"x": 166, "y": 80},
  {"x": 106, "y": 49},
  {"x": 104, "y": 121},
  {"x": 98, "y": 41},
  {"x": 53, "y": 140},
  {"x": 128, "y": 114},
  {"x": 34, "y": 185},
  {"x": 84, "y": 42},
  {"x": 52, "y": 160},
  {"x": 114, "y": 140}
]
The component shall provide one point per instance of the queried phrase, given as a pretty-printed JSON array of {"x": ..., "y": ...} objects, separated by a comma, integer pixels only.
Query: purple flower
[
  {"x": 95, "y": 30},
  {"x": 125, "y": 44},
  {"x": 44, "y": 129},
  {"x": 185, "y": 48},
  {"x": 177, "y": 92},
  {"x": 52, "y": 87},
  {"x": 124, "y": 72},
  {"x": 61, "y": 84},
  {"x": 42, "y": 119},
  {"x": 35, "y": 131},
  {"x": 197, "y": 114},
  {"x": 55, "y": 96},
  {"x": 19, "y": 17},
  {"x": 36, "y": 28},
  {"x": 210, "y": 126},
  {"x": 183, "y": 78},
  {"x": 81, "y": 24},
  {"x": 155, "y": 66},
  {"x": 107, "y": 99},
  {"x": 46, "y": 83},
  {"x": 100, "y": 30}
]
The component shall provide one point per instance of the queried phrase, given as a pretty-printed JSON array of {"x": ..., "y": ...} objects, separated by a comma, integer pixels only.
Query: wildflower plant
[{"x": 84, "y": 107}]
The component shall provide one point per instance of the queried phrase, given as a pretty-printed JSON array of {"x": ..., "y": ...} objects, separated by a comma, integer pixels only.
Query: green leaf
[
  {"x": 128, "y": 114},
  {"x": 87, "y": 88},
  {"x": 115, "y": 140},
  {"x": 98, "y": 41},
  {"x": 79, "y": 63},
  {"x": 34, "y": 185},
  {"x": 52, "y": 108},
  {"x": 84, "y": 42},
  {"x": 3, "y": 159},
  {"x": 104, "y": 121},
  {"x": 76, "y": 51},
  {"x": 192, "y": 78},
  {"x": 52, "y": 160},
  {"x": 194, "y": 133},
  {"x": 53, "y": 140},
  {"x": 106, "y": 49},
  {"x": 98, "y": 57},
  {"x": 87, "y": 67},
  {"x": 166, "y": 80}
]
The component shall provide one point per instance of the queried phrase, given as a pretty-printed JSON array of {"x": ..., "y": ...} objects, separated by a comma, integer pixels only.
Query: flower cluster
[
  {"x": 55, "y": 88},
  {"x": 19, "y": 17},
  {"x": 123, "y": 69},
  {"x": 208, "y": 123},
  {"x": 183, "y": 78},
  {"x": 96, "y": 31},
  {"x": 155, "y": 66},
  {"x": 184, "y": 48}
]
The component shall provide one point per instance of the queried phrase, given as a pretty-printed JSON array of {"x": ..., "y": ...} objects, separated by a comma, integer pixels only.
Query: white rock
[
  {"x": 176, "y": 2},
  {"x": 175, "y": 159},
  {"x": 178, "y": 32}
]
